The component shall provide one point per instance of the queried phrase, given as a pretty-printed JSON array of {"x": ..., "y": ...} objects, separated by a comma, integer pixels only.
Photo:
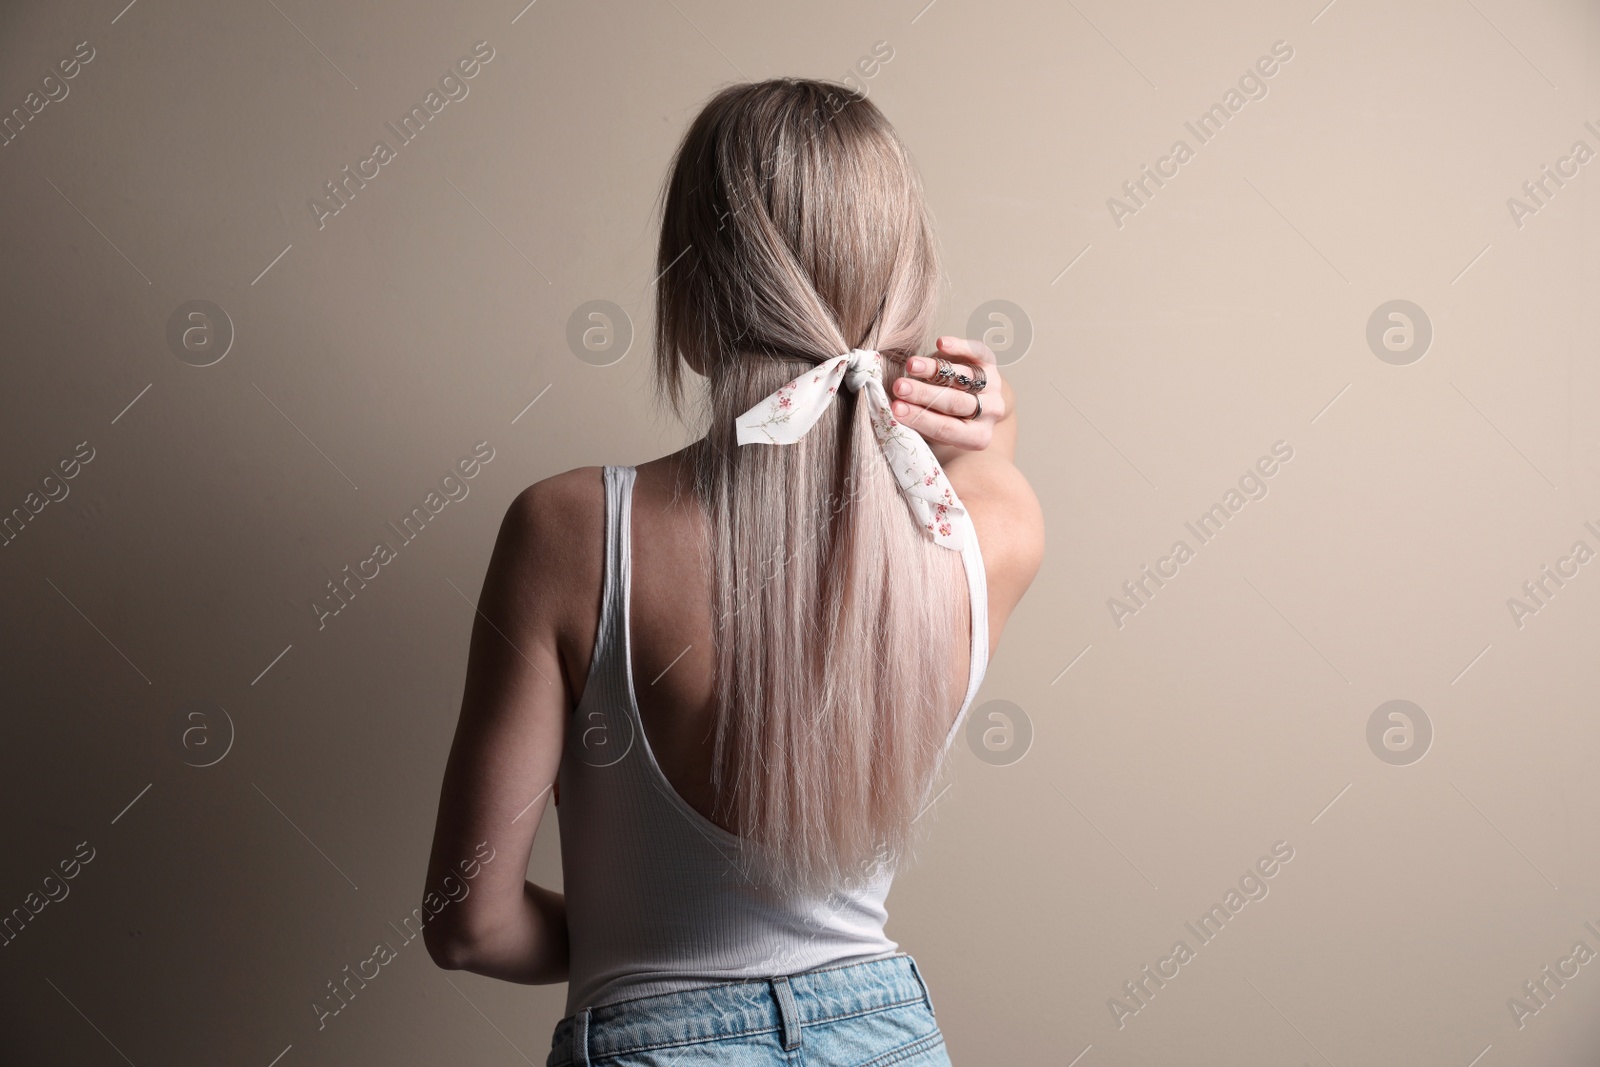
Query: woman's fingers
[
  {"x": 967, "y": 349},
  {"x": 957, "y": 350},
  {"x": 946, "y": 429},
  {"x": 941, "y": 412},
  {"x": 945, "y": 399}
]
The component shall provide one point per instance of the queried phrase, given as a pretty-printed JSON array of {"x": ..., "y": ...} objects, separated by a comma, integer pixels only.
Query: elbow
[{"x": 447, "y": 948}]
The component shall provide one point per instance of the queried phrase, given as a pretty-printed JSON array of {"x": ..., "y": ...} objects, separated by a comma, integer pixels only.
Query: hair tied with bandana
[{"x": 786, "y": 414}]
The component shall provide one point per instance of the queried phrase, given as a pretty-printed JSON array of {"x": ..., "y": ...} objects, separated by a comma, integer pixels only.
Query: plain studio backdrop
[{"x": 1340, "y": 346}]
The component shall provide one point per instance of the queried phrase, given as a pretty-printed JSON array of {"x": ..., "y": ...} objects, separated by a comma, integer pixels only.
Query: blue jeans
[{"x": 870, "y": 1014}]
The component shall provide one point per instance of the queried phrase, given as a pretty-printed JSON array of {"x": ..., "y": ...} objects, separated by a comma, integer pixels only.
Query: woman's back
[
  {"x": 670, "y": 616},
  {"x": 659, "y": 897}
]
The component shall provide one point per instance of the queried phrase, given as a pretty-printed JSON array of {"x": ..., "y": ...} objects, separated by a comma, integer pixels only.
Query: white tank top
[{"x": 658, "y": 897}]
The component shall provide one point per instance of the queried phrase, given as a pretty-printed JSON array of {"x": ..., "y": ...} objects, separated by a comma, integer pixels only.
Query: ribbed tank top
[{"x": 658, "y": 897}]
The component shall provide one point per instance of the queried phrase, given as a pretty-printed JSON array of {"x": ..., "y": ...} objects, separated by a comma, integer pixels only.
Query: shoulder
[
  {"x": 558, "y": 503},
  {"x": 550, "y": 537},
  {"x": 1005, "y": 512}
]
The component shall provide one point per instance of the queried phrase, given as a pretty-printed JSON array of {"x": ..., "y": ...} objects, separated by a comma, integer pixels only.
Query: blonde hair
[{"x": 793, "y": 230}]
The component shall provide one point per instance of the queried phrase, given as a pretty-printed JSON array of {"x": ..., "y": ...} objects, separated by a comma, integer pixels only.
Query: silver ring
[
  {"x": 978, "y": 400},
  {"x": 961, "y": 376}
]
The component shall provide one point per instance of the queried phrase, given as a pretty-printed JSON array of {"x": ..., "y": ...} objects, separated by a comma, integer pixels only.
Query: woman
[{"x": 737, "y": 668}]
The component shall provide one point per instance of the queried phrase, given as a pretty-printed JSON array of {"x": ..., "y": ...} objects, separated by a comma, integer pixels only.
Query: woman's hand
[{"x": 939, "y": 412}]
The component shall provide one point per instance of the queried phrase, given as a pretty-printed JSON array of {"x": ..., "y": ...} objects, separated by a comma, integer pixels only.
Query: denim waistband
[{"x": 782, "y": 1005}]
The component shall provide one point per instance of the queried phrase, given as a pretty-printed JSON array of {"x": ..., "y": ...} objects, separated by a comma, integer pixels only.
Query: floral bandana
[{"x": 784, "y": 417}]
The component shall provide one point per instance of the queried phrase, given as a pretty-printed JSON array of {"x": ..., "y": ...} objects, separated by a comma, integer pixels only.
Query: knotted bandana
[{"x": 784, "y": 417}]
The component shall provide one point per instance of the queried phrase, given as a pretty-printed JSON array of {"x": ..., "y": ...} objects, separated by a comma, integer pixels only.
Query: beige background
[{"x": 1227, "y": 314}]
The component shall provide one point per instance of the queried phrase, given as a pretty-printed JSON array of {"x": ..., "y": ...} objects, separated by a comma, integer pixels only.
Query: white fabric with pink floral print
[{"x": 783, "y": 417}]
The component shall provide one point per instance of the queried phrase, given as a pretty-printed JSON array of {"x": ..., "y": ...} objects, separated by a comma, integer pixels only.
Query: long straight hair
[{"x": 793, "y": 230}]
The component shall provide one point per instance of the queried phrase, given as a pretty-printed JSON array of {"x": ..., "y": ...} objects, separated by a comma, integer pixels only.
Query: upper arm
[
  {"x": 1010, "y": 527},
  {"x": 1005, "y": 511},
  {"x": 512, "y": 727}
]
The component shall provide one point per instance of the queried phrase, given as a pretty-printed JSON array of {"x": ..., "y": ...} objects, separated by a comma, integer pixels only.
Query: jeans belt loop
[
  {"x": 580, "y": 1039},
  {"x": 788, "y": 1013},
  {"x": 927, "y": 998}
]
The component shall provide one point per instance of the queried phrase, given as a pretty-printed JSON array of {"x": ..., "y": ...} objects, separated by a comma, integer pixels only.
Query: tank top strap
[
  {"x": 978, "y": 599},
  {"x": 619, "y": 561},
  {"x": 602, "y": 728}
]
